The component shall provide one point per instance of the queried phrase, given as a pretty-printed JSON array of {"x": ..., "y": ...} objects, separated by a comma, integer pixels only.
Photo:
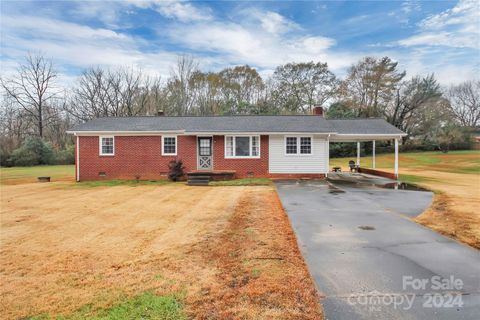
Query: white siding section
[{"x": 279, "y": 162}]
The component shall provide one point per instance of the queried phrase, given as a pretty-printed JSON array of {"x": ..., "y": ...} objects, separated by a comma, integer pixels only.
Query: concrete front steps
[{"x": 197, "y": 180}]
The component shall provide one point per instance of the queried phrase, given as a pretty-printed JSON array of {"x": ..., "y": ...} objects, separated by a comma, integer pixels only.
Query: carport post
[
  {"x": 396, "y": 159},
  {"x": 358, "y": 153},
  {"x": 373, "y": 155}
]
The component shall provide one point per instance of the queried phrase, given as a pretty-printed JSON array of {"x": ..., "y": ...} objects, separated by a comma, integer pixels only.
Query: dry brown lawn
[
  {"x": 455, "y": 211},
  {"x": 228, "y": 251}
]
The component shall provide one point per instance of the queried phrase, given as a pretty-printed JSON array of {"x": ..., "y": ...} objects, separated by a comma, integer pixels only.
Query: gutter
[{"x": 86, "y": 133}]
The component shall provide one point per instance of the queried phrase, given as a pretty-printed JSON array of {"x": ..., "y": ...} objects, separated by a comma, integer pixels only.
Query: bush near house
[
  {"x": 176, "y": 170},
  {"x": 36, "y": 151},
  {"x": 33, "y": 151}
]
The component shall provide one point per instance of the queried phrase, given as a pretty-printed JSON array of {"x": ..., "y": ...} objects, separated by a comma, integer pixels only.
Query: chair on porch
[{"x": 353, "y": 166}]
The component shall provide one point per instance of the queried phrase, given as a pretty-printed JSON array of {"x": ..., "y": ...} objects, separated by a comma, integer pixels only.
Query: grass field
[
  {"x": 19, "y": 175},
  {"x": 127, "y": 250},
  {"x": 454, "y": 176}
]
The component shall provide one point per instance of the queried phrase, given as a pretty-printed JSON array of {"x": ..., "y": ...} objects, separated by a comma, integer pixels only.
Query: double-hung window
[
  {"x": 169, "y": 145},
  {"x": 305, "y": 145},
  {"x": 107, "y": 145},
  {"x": 291, "y": 145},
  {"x": 298, "y": 145},
  {"x": 242, "y": 147}
]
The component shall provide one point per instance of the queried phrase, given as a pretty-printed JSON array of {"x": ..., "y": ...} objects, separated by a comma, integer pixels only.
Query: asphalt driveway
[{"x": 370, "y": 261}]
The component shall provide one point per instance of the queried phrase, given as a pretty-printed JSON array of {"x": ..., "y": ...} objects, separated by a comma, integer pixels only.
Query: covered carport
[{"x": 367, "y": 131}]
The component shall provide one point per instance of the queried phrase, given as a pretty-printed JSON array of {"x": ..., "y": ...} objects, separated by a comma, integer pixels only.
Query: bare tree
[
  {"x": 154, "y": 96},
  {"x": 208, "y": 93},
  {"x": 13, "y": 125},
  {"x": 410, "y": 97},
  {"x": 465, "y": 102},
  {"x": 370, "y": 85},
  {"x": 180, "y": 89},
  {"x": 89, "y": 98},
  {"x": 300, "y": 86},
  {"x": 33, "y": 88},
  {"x": 242, "y": 87},
  {"x": 115, "y": 92}
]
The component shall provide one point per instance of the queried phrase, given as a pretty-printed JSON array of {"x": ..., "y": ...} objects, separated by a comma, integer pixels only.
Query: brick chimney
[{"x": 318, "y": 111}]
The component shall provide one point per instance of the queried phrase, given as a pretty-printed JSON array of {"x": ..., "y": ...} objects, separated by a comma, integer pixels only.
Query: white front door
[{"x": 204, "y": 153}]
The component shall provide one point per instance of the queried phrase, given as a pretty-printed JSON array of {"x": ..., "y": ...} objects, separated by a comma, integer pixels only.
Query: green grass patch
[
  {"x": 413, "y": 179},
  {"x": 466, "y": 170},
  {"x": 243, "y": 182},
  {"x": 114, "y": 183},
  {"x": 145, "y": 306},
  {"x": 10, "y": 175},
  {"x": 452, "y": 162}
]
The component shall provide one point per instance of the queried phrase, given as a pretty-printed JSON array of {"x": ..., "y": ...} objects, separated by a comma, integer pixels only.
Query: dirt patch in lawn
[{"x": 227, "y": 252}]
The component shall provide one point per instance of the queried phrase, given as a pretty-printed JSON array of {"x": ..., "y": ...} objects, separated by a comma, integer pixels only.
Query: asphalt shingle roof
[
  {"x": 363, "y": 126},
  {"x": 300, "y": 123}
]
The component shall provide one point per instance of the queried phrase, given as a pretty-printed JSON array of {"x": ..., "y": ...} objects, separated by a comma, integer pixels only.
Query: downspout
[
  {"x": 77, "y": 161},
  {"x": 328, "y": 155}
]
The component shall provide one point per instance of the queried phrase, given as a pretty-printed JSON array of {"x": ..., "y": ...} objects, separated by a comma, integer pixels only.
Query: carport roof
[
  {"x": 237, "y": 124},
  {"x": 364, "y": 126}
]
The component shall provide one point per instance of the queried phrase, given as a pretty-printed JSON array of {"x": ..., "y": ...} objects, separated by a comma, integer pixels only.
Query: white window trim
[
  {"x": 249, "y": 146},
  {"x": 176, "y": 145},
  {"x": 100, "y": 149},
  {"x": 298, "y": 154}
]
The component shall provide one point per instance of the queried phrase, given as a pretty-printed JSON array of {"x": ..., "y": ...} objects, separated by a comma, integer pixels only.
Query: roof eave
[{"x": 123, "y": 132}]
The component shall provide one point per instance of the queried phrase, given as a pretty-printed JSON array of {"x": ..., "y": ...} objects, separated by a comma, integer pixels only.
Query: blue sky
[{"x": 424, "y": 36}]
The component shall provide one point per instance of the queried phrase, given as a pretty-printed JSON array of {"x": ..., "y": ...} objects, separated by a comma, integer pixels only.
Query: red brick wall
[
  {"x": 384, "y": 174},
  {"x": 243, "y": 167},
  {"x": 135, "y": 156},
  {"x": 140, "y": 157}
]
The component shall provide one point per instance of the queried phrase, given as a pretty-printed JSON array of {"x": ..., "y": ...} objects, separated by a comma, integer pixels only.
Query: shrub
[
  {"x": 65, "y": 156},
  {"x": 33, "y": 151},
  {"x": 5, "y": 158},
  {"x": 449, "y": 136},
  {"x": 175, "y": 170},
  {"x": 23, "y": 157}
]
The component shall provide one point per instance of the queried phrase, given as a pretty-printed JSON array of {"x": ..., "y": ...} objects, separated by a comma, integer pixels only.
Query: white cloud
[
  {"x": 465, "y": 13},
  {"x": 182, "y": 11},
  {"x": 410, "y": 6},
  {"x": 265, "y": 47},
  {"x": 103, "y": 10},
  {"x": 54, "y": 29},
  {"x": 273, "y": 22},
  {"x": 76, "y": 46},
  {"x": 442, "y": 38},
  {"x": 449, "y": 65},
  {"x": 456, "y": 27},
  {"x": 262, "y": 39}
]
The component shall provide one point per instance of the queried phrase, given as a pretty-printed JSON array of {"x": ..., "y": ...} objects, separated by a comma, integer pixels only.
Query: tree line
[{"x": 37, "y": 109}]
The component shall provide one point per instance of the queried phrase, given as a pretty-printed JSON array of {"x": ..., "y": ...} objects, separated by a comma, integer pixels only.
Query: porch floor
[
  {"x": 202, "y": 177},
  {"x": 211, "y": 172},
  {"x": 358, "y": 178}
]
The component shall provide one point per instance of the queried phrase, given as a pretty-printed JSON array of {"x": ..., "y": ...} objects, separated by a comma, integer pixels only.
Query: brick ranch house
[{"x": 246, "y": 146}]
